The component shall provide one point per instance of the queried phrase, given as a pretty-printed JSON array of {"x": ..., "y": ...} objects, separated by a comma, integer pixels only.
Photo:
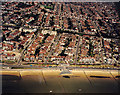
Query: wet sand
[{"x": 44, "y": 81}]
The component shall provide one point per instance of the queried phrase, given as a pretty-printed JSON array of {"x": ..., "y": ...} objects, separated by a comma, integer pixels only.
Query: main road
[{"x": 54, "y": 67}]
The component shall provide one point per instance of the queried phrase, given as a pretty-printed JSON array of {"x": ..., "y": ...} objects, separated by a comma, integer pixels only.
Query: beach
[{"x": 47, "y": 81}]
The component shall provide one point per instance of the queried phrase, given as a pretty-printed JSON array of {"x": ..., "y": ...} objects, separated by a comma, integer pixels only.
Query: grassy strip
[
  {"x": 8, "y": 61},
  {"x": 48, "y": 7}
]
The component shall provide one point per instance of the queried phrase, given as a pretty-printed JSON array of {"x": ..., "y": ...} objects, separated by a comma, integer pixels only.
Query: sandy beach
[{"x": 44, "y": 81}]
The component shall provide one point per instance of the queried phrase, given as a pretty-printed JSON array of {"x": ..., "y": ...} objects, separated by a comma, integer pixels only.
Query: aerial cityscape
[
  {"x": 72, "y": 33},
  {"x": 56, "y": 34}
]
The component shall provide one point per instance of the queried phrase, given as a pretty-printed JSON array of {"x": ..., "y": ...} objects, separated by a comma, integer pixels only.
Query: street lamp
[
  {"x": 50, "y": 91},
  {"x": 79, "y": 90}
]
